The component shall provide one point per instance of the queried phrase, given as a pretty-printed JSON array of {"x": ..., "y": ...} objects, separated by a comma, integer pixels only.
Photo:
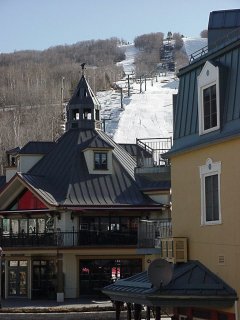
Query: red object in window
[{"x": 29, "y": 201}]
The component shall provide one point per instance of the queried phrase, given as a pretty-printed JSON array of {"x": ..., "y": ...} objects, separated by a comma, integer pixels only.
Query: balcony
[
  {"x": 152, "y": 235},
  {"x": 152, "y": 230},
  {"x": 149, "y": 152},
  {"x": 151, "y": 166},
  {"x": 69, "y": 239}
]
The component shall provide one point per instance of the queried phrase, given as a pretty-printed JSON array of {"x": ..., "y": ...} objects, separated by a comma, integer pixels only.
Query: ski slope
[{"x": 145, "y": 114}]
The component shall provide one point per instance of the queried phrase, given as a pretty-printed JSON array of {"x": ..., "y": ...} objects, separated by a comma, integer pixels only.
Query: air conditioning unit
[{"x": 174, "y": 249}]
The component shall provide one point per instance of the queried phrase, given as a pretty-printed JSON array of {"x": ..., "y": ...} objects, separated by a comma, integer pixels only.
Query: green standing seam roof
[{"x": 192, "y": 284}]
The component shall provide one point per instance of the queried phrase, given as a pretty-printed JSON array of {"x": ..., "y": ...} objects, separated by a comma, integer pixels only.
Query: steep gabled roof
[
  {"x": 37, "y": 147},
  {"x": 192, "y": 284},
  {"x": 90, "y": 97},
  {"x": 61, "y": 177}
]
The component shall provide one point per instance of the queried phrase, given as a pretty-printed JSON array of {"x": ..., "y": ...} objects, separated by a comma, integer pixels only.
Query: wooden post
[
  {"x": 158, "y": 313},
  {"x": 145, "y": 83},
  {"x": 60, "y": 280},
  {"x": 121, "y": 90},
  {"x": 137, "y": 311},
  {"x": 128, "y": 86},
  {"x": 140, "y": 84},
  {"x": 129, "y": 310},
  {"x": 148, "y": 315},
  {"x": 118, "y": 305}
]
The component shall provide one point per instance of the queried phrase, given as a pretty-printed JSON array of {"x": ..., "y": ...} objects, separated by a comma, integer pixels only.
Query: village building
[
  {"x": 79, "y": 213},
  {"x": 205, "y": 183}
]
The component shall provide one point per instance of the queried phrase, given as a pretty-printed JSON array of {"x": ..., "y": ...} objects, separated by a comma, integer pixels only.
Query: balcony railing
[
  {"x": 152, "y": 230},
  {"x": 69, "y": 239},
  {"x": 149, "y": 233},
  {"x": 149, "y": 151}
]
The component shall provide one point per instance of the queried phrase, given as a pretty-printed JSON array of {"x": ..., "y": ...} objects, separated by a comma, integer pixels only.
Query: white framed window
[
  {"x": 210, "y": 174},
  {"x": 208, "y": 99}
]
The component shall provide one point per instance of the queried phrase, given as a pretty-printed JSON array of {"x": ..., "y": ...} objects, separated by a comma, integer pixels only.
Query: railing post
[{"x": 73, "y": 235}]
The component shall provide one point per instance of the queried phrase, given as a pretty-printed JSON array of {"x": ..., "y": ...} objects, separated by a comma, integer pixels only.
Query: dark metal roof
[
  {"x": 37, "y": 147},
  {"x": 89, "y": 99},
  {"x": 133, "y": 149},
  {"x": 99, "y": 143},
  {"x": 192, "y": 284},
  {"x": 13, "y": 151},
  {"x": 185, "y": 111},
  {"x": 62, "y": 178},
  {"x": 2, "y": 181},
  {"x": 146, "y": 184}
]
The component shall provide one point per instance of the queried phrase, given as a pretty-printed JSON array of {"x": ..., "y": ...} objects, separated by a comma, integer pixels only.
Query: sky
[{"x": 40, "y": 24}]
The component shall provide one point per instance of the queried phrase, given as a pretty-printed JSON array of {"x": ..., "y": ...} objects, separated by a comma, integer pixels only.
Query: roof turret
[{"x": 83, "y": 109}]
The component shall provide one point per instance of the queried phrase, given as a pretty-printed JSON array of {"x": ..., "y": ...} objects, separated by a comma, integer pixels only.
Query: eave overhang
[
  {"x": 208, "y": 142},
  {"x": 172, "y": 301},
  {"x": 117, "y": 207}
]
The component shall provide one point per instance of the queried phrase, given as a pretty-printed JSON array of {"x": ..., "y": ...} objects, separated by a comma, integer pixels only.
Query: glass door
[{"x": 17, "y": 278}]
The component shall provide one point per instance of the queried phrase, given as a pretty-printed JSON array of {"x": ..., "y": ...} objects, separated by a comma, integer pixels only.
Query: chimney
[{"x": 223, "y": 27}]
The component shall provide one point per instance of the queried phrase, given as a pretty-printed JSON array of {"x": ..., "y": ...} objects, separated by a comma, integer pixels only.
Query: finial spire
[{"x": 83, "y": 67}]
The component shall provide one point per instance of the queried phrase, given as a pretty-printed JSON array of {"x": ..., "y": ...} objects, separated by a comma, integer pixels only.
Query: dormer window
[
  {"x": 100, "y": 161},
  {"x": 208, "y": 99}
]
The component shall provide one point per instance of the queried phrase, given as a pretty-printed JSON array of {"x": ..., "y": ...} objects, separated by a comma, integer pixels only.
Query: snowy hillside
[
  {"x": 130, "y": 53},
  {"x": 191, "y": 45},
  {"x": 146, "y": 114}
]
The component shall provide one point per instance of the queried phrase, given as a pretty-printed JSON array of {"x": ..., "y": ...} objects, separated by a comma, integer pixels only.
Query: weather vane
[{"x": 83, "y": 67}]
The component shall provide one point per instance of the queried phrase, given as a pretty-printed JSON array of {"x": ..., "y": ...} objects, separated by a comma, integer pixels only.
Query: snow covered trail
[
  {"x": 147, "y": 114},
  {"x": 144, "y": 115},
  {"x": 128, "y": 64}
]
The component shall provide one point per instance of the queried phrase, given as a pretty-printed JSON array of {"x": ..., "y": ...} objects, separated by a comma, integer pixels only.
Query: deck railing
[
  {"x": 146, "y": 236},
  {"x": 150, "y": 231},
  {"x": 149, "y": 151},
  {"x": 69, "y": 239}
]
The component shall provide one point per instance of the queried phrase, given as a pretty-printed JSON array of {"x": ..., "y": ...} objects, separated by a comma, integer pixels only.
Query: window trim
[
  {"x": 210, "y": 169},
  {"x": 208, "y": 77}
]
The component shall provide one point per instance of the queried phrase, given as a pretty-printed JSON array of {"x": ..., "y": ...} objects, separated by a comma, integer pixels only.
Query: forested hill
[{"x": 35, "y": 77}]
